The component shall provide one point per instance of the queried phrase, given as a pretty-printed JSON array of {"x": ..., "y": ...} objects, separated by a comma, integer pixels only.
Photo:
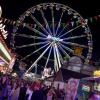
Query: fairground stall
[{"x": 89, "y": 88}]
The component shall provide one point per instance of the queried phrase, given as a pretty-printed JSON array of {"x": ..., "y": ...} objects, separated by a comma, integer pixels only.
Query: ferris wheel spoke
[
  {"x": 59, "y": 23},
  {"x": 35, "y": 30},
  {"x": 53, "y": 26},
  {"x": 31, "y": 36},
  {"x": 45, "y": 21},
  {"x": 58, "y": 56},
  {"x": 64, "y": 28},
  {"x": 61, "y": 58},
  {"x": 32, "y": 66},
  {"x": 70, "y": 31},
  {"x": 33, "y": 44},
  {"x": 56, "y": 66},
  {"x": 64, "y": 52},
  {"x": 75, "y": 44},
  {"x": 67, "y": 48},
  {"x": 34, "y": 52},
  {"x": 39, "y": 24},
  {"x": 48, "y": 57},
  {"x": 74, "y": 37}
]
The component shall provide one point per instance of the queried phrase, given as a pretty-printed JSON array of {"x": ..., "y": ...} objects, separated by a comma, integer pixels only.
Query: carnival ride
[
  {"x": 49, "y": 33},
  {"x": 7, "y": 59}
]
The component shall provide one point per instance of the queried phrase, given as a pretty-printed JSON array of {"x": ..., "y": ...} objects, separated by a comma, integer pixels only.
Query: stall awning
[{"x": 64, "y": 74}]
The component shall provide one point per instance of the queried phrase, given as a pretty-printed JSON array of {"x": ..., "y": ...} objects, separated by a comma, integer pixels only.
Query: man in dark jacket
[
  {"x": 22, "y": 93},
  {"x": 37, "y": 95}
]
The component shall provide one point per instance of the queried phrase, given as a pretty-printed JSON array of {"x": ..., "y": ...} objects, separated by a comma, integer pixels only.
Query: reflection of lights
[{"x": 5, "y": 51}]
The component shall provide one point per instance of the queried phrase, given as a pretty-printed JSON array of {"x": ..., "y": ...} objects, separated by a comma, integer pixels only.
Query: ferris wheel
[{"x": 50, "y": 32}]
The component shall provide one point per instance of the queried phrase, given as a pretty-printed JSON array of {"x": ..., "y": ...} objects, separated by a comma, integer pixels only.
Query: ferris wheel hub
[{"x": 54, "y": 38}]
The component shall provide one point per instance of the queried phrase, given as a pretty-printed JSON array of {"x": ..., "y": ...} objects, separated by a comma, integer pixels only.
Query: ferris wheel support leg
[
  {"x": 55, "y": 60},
  {"x": 58, "y": 57}
]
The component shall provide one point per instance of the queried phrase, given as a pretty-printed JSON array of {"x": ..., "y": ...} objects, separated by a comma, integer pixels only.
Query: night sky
[{"x": 12, "y": 9}]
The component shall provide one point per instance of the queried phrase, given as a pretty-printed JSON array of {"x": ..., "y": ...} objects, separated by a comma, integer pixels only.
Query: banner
[{"x": 72, "y": 87}]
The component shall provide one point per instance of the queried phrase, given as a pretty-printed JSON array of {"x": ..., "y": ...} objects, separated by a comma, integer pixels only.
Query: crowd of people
[{"x": 19, "y": 89}]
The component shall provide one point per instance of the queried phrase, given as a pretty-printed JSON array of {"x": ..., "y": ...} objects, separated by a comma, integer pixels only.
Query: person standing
[
  {"x": 15, "y": 91},
  {"x": 22, "y": 92},
  {"x": 29, "y": 92},
  {"x": 38, "y": 92},
  {"x": 9, "y": 89},
  {"x": 51, "y": 94}
]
